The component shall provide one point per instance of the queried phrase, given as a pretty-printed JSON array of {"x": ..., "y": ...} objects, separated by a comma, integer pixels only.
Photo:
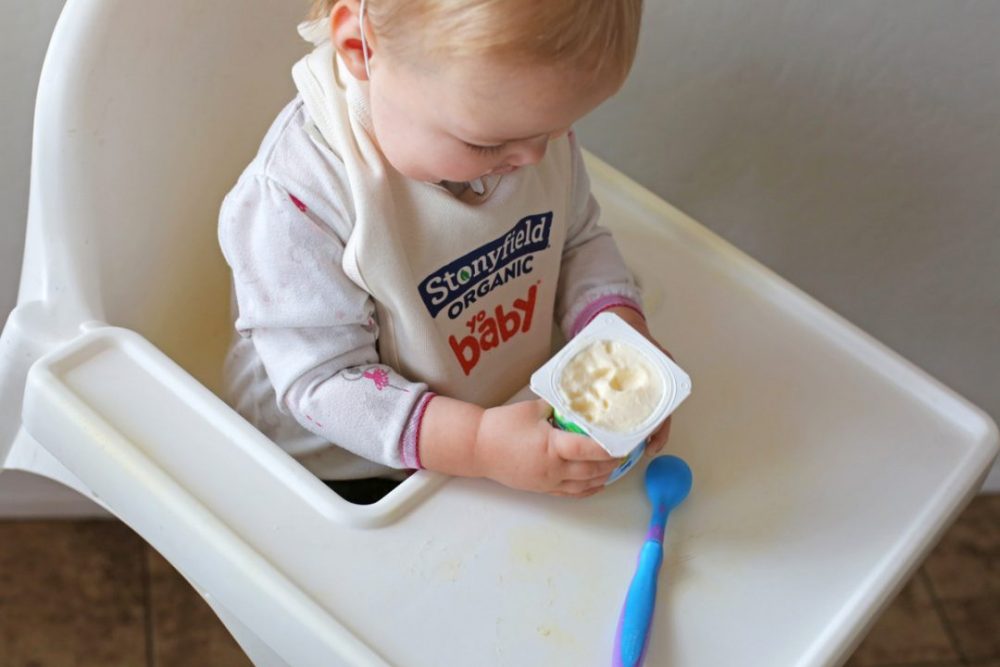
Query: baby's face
[{"x": 469, "y": 119}]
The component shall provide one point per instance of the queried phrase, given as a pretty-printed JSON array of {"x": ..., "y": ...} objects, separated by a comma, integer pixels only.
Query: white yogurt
[{"x": 611, "y": 385}]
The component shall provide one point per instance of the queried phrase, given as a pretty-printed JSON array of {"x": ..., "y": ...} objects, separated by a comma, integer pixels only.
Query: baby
[{"x": 414, "y": 224}]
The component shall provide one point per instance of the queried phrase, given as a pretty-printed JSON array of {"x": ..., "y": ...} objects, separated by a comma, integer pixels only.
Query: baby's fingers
[
  {"x": 658, "y": 439},
  {"x": 589, "y": 470},
  {"x": 583, "y": 494},
  {"x": 578, "y": 489},
  {"x": 574, "y": 447}
]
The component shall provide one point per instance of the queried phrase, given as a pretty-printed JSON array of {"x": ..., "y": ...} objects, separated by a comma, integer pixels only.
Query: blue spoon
[{"x": 668, "y": 482}]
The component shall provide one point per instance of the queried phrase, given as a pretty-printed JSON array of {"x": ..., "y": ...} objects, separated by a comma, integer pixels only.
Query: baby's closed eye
[{"x": 484, "y": 150}]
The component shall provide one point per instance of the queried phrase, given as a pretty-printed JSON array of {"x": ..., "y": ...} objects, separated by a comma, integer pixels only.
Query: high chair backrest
[{"x": 146, "y": 114}]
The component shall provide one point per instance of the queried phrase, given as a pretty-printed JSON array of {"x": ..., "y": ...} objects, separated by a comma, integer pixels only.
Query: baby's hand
[{"x": 518, "y": 447}]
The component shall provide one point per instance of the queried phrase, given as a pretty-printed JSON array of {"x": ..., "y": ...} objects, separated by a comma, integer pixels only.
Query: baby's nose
[{"x": 529, "y": 152}]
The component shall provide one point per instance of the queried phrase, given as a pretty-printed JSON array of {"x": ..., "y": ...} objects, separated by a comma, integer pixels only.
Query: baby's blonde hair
[{"x": 595, "y": 34}]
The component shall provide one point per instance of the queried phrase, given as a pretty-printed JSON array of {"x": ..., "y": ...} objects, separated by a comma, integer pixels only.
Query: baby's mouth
[{"x": 506, "y": 169}]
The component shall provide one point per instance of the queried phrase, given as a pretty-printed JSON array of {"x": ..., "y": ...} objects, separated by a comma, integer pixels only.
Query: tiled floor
[
  {"x": 92, "y": 594},
  {"x": 949, "y": 613}
]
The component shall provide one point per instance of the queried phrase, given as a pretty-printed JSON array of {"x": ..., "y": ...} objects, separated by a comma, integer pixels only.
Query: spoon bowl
[{"x": 668, "y": 482}]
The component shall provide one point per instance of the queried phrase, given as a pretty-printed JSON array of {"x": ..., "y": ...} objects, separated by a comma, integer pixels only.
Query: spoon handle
[{"x": 637, "y": 612}]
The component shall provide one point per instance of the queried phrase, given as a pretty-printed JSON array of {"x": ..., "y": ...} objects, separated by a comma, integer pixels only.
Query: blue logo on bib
[{"x": 458, "y": 284}]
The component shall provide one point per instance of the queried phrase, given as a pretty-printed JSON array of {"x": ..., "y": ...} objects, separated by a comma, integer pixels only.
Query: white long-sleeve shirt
[{"x": 307, "y": 367}]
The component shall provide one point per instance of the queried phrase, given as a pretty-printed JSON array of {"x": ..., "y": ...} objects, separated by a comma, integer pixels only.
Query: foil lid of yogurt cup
[{"x": 609, "y": 365}]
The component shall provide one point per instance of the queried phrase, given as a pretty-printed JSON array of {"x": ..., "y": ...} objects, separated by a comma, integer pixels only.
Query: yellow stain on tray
[
  {"x": 538, "y": 560},
  {"x": 536, "y": 548},
  {"x": 553, "y": 634}
]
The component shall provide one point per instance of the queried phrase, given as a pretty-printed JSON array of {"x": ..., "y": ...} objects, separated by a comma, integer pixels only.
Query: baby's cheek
[
  {"x": 402, "y": 146},
  {"x": 449, "y": 165},
  {"x": 427, "y": 162},
  {"x": 428, "y": 158},
  {"x": 408, "y": 159},
  {"x": 465, "y": 168}
]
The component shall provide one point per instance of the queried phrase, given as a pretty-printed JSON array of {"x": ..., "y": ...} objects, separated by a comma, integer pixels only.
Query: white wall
[
  {"x": 852, "y": 146},
  {"x": 24, "y": 36}
]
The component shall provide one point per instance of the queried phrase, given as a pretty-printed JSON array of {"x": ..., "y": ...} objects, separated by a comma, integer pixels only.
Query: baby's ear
[{"x": 345, "y": 32}]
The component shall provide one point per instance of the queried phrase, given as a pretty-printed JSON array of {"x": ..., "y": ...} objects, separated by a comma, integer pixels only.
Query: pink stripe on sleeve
[
  {"x": 409, "y": 442},
  {"x": 599, "y": 305}
]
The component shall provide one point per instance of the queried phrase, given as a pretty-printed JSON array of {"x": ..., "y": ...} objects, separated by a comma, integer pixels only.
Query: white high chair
[{"x": 825, "y": 466}]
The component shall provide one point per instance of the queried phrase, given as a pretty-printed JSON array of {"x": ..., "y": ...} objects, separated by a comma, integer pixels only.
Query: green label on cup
[
  {"x": 566, "y": 425},
  {"x": 627, "y": 462}
]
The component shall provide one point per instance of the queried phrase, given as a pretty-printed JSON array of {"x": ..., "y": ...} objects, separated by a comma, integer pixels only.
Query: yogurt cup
[{"x": 663, "y": 383}]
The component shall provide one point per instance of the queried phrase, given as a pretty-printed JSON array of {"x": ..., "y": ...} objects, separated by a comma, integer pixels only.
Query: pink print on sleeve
[
  {"x": 379, "y": 376},
  {"x": 298, "y": 203}
]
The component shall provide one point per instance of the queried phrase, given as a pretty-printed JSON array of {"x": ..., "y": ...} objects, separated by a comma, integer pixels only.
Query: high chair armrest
[{"x": 191, "y": 477}]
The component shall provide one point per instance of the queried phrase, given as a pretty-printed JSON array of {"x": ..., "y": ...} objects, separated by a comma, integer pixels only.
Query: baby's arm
[
  {"x": 593, "y": 276},
  {"x": 312, "y": 328}
]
